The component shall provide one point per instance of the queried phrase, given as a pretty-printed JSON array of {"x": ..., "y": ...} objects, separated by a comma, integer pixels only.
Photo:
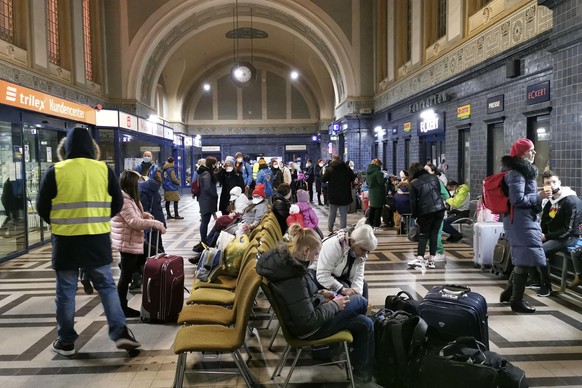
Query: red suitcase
[{"x": 163, "y": 288}]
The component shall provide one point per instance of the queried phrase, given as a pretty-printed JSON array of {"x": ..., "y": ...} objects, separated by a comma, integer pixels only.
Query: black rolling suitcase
[
  {"x": 454, "y": 311},
  {"x": 501, "y": 264}
]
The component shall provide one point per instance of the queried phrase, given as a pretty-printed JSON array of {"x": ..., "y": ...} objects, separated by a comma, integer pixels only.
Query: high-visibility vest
[{"x": 83, "y": 204}]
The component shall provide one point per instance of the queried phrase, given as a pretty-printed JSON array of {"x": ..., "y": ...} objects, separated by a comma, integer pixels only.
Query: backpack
[
  {"x": 195, "y": 188},
  {"x": 495, "y": 194},
  {"x": 210, "y": 260}
]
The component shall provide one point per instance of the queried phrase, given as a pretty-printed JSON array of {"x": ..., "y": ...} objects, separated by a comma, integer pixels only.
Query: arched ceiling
[{"x": 184, "y": 43}]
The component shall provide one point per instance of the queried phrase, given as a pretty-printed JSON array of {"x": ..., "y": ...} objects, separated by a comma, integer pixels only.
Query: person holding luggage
[
  {"x": 428, "y": 207},
  {"x": 312, "y": 314},
  {"x": 521, "y": 226},
  {"x": 171, "y": 186},
  {"x": 127, "y": 235},
  {"x": 77, "y": 197},
  {"x": 342, "y": 259}
]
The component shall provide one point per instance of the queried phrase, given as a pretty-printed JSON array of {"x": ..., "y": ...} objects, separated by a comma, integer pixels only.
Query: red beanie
[
  {"x": 260, "y": 190},
  {"x": 520, "y": 147}
]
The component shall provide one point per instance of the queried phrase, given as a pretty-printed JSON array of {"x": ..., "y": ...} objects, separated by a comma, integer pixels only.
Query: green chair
[
  {"x": 218, "y": 338},
  {"x": 344, "y": 337}
]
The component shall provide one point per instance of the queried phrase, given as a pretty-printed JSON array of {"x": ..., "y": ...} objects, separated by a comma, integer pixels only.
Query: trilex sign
[{"x": 430, "y": 123}]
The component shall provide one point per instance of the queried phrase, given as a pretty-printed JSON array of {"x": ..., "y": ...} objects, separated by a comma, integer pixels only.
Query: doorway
[{"x": 432, "y": 149}]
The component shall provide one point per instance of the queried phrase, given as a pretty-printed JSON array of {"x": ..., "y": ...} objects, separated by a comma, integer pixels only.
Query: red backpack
[
  {"x": 495, "y": 194},
  {"x": 195, "y": 188}
]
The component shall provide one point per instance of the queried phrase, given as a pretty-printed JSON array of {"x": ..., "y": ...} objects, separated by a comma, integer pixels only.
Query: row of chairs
[{"x": 216, "y": 316}]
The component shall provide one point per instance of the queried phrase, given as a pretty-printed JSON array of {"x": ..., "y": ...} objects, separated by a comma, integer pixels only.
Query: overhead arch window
[
  {"x": 6, "y": 21},
  {"x": 87, "y": 40}
]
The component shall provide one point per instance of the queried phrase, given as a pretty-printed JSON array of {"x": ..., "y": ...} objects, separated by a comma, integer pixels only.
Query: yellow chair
[
  {"x": 225, "y": 282},
  {"x": 274, "y": 230},
  {"x": 344, "y": 337},
  {"x": 217, "y": 296},
  {"x": 218, "y": 338}
]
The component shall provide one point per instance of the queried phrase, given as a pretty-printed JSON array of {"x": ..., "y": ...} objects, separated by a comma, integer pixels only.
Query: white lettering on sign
[
  {"x": 429, "y": 125},
  {"x": 494, "y": 104}
]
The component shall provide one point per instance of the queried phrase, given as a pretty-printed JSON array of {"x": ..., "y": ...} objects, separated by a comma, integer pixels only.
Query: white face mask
[
  {"x": 275, "y": 166},
  {"x": 257, "y": 200},
  {"x": 320, "y": 164},
  {"x": 308, "y": 165},
  {"x": 229, "y": 169},
  {"x": 239, "y": 160}
]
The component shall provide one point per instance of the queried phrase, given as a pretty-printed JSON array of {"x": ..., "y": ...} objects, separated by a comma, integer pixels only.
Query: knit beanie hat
[
  {"x": 520, "y": 146},
  {"x": 229, "y": 160},
  {"x": 260, "y": 190},
  {"x": 262, "y": 163},
  {"x": 302, "y": 196}
]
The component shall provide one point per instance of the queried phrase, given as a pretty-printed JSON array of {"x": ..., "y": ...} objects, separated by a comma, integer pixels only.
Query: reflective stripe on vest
[{"x": 83, "y": 204}]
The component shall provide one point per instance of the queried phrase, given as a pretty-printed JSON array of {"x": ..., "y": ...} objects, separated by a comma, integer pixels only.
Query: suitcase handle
[
  {"x": 148, "y": 287},
  {"x": 461, "y": 343},
  {"x": 151, "y": 233},
  {"x": 455, "y": 290}
]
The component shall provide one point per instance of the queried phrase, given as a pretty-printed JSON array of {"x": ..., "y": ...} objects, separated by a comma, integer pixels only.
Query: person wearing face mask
[
  {"x": 317, "y": 172},
  {"x": 313, "y": 314},
  {"x": 149, "y": 169},
  {"x": 522, "y": 228},
  {"x": 342, "y": 260},
  {"x": 277, "y": 173},
  {"x": 171, "y": 186},
  {"x": 309, "y": 178},
  {"x": 265, "y": 177},
  {"x": 228, "y": 177},
  {"x": 254, "y": 211},
  {"x": 245, "y": 170},
  {"x": 281, "y": 205}
]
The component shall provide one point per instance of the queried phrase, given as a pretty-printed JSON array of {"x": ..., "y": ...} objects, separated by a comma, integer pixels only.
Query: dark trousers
[
  {"x": 429, "y": 226},
  {"x": 374, "y": 216},
  {"x": 204, "y": 221},
  {"x": 449, "y": 228},
  {"x": 175, "y": 209},
  {"x": 310, "y": 189},
  {"x": 130, "y": 263}
]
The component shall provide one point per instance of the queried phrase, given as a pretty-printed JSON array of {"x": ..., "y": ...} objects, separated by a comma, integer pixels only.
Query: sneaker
[
  {"x": 544, "y": 291},
  {"x": 87, "y": 286},
  {"x": 64, "y": 350},
  {"x": 440, "y": 257},
  {"x": 417, "y": 263},
  {"x": 431, "y": 264},
  {"x": 533, "y": 285},
  {"x": 127, "y": 341}
]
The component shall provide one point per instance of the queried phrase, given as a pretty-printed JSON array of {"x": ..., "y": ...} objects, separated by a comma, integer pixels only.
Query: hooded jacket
[
  {"x": 73, "y": 252},
  {"x": 376, "y": 187},
  {"x": 425, "y": 194},
  {"x": 560, "y": 216},
  {"x": 303, "y": 308},
  {"x": 339, "y": 178},
  {"x": 460, "y": 202},
  {"x": 208, "y": 198},
  {"x": 523, "y": 229},
  {"x": 310, "y": 219}
]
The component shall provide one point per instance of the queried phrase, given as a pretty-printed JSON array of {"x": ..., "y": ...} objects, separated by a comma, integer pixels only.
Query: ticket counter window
[
  {"x": 538, "y": 131},
  {"x": 495, "y": 147},
  {"x": 132, "y": 151},
  {"x": 107, "y": 147}
]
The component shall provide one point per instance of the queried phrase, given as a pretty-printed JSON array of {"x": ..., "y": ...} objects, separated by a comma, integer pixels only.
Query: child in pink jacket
[
  {"x": 127, "y": 235},
  {"x": 310, "y": 219}
]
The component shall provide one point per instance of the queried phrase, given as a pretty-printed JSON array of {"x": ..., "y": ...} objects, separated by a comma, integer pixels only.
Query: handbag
[{"x": 413, "y": 233}]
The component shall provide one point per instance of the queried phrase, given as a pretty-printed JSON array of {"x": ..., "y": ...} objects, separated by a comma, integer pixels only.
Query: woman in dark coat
[
  {"x": 522, "y": 227},
  {"x": 428, "y": 208},
  {"x": 376, "y": 190},
  {"x": 228, "y": 177},
  {"x": 208, "y": 196}
]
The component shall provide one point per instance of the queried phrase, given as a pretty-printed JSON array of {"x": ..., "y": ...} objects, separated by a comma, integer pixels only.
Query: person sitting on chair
[
  {"x": 458, "y": 206},
  {"x": 311, "y": 314}
]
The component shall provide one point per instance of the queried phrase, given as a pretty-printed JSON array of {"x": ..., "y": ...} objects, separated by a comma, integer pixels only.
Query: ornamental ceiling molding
[
  {"x": 517, "y": 28},
  {"x": 254, "y": 130},
  {"x": 199, "y": 19}
]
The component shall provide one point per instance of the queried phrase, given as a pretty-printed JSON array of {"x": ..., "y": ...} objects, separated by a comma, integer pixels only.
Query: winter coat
[
  {"x": 228, "y": 180},
  {"x": 317, "y": 172},
  {"x": 247, "y": 172},
  {"x": 170, "y": 183},
  {"x": 295, "y": 219},
  {"x": 523, "y": 229},
  {"x": 460, "y": 202},
  {"x": 277, "y": 178},
  {"x": 333, "y": 261},
  {"x": 208, "y": 198},
  {"x": 560, "y": 217},
  {"x": 310, "y": 219},
  {"x": 303, "y": 308},
  {"x": 128, "y": 225},
  {"x": 241, "y": 203},
  {"x": 376, "y": 187},
  {"x": 310, "y": 174},
  {"x": 402, "y": 200},
  {"x": 151, "y": 200},
  {"x": 339, "y": 177},
  {"x": 150, "y": 170},
  {"x": 425, "y": 194},
  {"x": 286, "y": 175},
  {"x": 280, "y": 208},
  {"x": 73, "y": 252},
  {"x": 254, "y": 213},
  {"x": 265, "y": 176}
]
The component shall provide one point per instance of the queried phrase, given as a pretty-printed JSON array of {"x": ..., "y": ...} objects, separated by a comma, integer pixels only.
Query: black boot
[
  {"x": 505, "y": 296},
  {"x": 168, "y": 210},
  {"x": 546, "y": 283},
  {"x": 176, "y": 215},
  {"x": 517, "y": 303},
  {"x": 128, "y": 311}
]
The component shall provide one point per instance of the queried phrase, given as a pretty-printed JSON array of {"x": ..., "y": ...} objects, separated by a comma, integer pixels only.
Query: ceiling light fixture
[
  {"x": 206, "y": 87},
  {"x": 243, "y": 73}
]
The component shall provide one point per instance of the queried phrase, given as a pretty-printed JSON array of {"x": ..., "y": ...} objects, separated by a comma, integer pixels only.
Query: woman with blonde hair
[
  {"x": 309, "y": 313},
  {"x": 127, "y": 235}
]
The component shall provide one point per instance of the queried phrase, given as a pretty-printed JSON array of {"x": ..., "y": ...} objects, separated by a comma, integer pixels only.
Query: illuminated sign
[
  {"x": 464, "y": 112},
  {"x": 538, "y": 93},
  {"x": 407, "y": 126},
  {"x": 430, "y": 123}
]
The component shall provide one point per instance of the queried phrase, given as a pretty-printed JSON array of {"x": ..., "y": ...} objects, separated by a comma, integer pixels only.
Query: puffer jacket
[
  {"x": 310, "y": 219},
  {"x": 523, "y": 229},
  {"x": 561, "y": 216},
  {"x": 280, "y": 208},
  {"x": 333, "y": 261},
  {"x": 460, "y": 202},
  {"x": 303, "y": 308},
  {"x": 425, "y": 194},
  {"x": 339, "y": 178},
  {"x": 254, "y": 212},
  {"x": 128, "y": 225}
]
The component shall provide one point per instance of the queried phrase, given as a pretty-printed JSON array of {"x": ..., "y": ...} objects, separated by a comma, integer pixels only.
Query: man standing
[
  {"x": 78, "y": 196},
  {"x": 560, "y": 219},
  {"x": 245, "y": 169},
  {"x": 458, "y": 205},
  {"x": 521, "y": 226},
  {"x": 339, "y": 178},
  {"x": 148, "y": 168}
]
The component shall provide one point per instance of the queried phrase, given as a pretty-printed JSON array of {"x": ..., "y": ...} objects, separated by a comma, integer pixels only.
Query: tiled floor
[{"x": 547, "y": 345}]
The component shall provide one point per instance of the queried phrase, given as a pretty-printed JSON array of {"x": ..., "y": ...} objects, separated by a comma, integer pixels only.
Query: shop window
[
  {"x": 87, "y": 37},
  {"x": 495, "y": 145},
  {"x": 538, "y": 131},
  {"x": 6, "y": 21},
  {"x": 464, "y": 169}
]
